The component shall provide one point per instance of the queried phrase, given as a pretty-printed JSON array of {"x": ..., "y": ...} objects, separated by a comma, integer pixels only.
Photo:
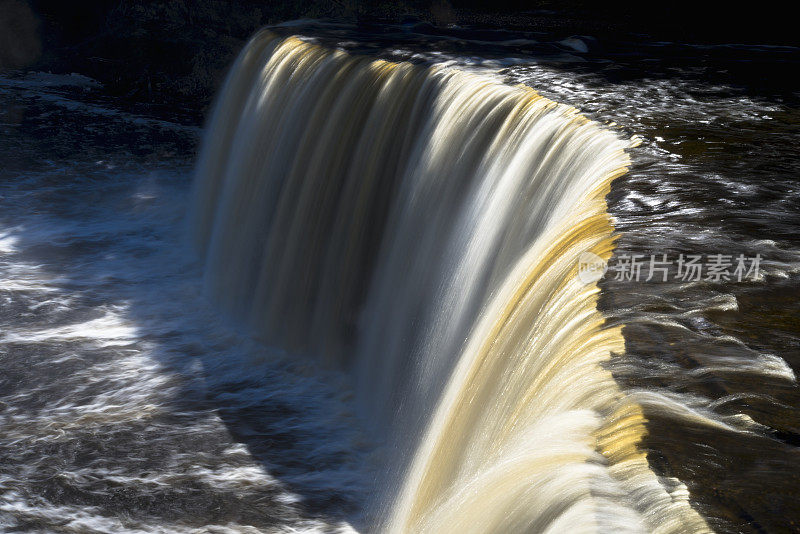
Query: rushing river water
[{"x": 129, "y": 402}]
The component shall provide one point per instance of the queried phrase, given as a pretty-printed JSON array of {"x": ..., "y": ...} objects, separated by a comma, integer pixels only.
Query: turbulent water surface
[{"x": 130, "y": 402}]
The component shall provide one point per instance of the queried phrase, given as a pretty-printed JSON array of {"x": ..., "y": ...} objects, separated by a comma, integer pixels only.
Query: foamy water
[{"x": 129, "y": 403}]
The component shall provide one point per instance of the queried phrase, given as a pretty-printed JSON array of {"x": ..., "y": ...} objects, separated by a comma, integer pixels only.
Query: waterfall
[{"x": 419, "y": 227}]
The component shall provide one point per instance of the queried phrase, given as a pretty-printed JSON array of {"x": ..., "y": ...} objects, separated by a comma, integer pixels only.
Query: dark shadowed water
[{"x": 127, "y": 403}]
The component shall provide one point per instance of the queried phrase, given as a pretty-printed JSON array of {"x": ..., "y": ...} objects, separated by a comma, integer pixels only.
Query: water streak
[{"x": 419, "y": 227}]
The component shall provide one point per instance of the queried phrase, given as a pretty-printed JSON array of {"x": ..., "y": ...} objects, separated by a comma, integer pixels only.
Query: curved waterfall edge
[{"x": 349, "y": 207}]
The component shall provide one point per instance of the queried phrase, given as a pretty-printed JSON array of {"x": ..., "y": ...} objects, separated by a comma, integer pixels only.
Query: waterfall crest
[{"x": 419, "y": 227}]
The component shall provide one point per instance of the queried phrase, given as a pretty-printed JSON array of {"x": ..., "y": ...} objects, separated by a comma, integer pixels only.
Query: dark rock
[{"x": 19, "y": 35}]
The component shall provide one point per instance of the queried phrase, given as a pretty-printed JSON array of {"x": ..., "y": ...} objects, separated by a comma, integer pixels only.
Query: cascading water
[{"x": 419, "y": 227}]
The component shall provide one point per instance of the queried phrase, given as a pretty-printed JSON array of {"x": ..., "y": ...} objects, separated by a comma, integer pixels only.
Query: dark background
[{"x": 178, "y": 50}]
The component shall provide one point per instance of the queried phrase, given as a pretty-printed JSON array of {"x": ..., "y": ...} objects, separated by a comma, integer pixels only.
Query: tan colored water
[{"x": 420, "y": 227}]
